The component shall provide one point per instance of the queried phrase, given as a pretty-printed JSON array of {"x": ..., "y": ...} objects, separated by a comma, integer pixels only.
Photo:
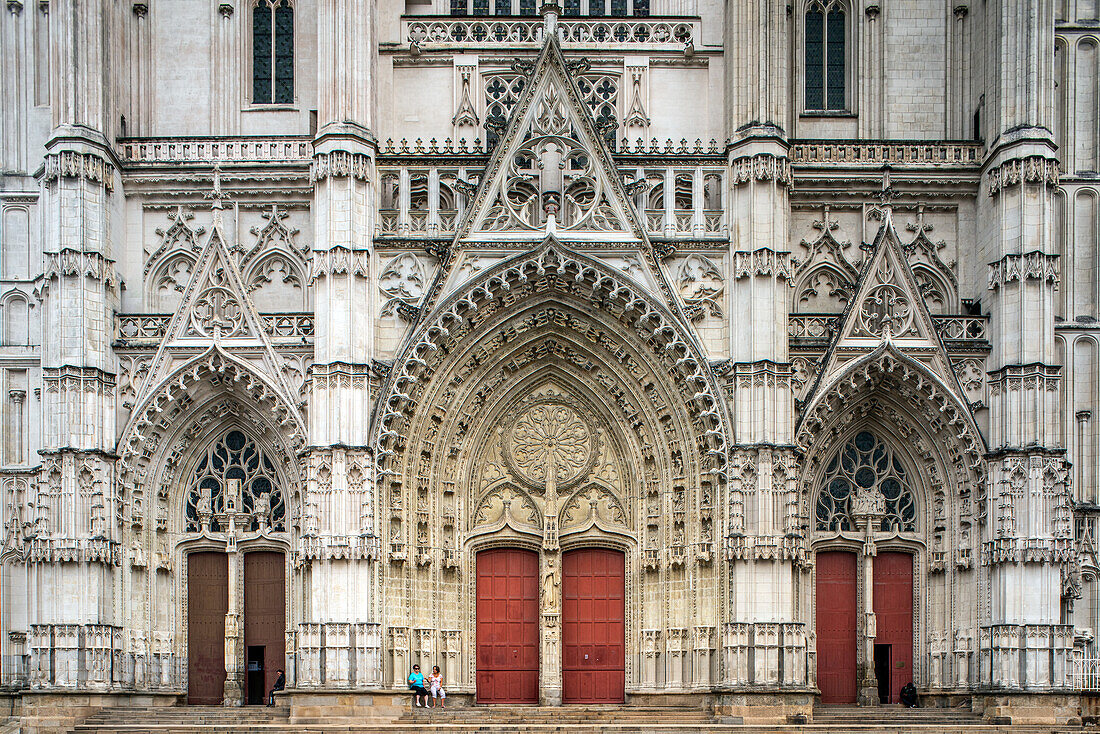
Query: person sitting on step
[
  {"x": 416, "y": 684},
  {"x": 908, "y": 695},
  {"x": 435, "y": 681},
  {"x": 280, "y": 684}
]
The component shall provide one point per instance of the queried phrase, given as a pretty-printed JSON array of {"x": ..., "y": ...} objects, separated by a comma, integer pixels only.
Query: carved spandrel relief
[
  {"x": 701, "y": 286},
  {"x": 402, "y": 284}
]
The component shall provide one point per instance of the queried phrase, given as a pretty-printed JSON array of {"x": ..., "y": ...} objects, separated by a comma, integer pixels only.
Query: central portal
[{"x": 507, "y": 626}]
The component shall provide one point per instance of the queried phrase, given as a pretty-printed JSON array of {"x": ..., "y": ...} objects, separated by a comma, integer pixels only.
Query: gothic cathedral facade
[{"x": 634, "y": 351}]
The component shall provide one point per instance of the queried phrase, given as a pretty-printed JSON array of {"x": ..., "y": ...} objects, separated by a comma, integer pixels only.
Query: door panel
[
  {"x": 207, "y": 604},
  {"x": 265, "y": 613},
  {"x": 836, "y": 626},
  {"x": 893, "y": 605},
  {"x": 507, "y": 626},
  {"x": 593, "y": 626}
]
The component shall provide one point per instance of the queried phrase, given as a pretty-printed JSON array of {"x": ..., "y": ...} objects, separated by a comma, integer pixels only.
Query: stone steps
[{"x": 542, "y": 720}]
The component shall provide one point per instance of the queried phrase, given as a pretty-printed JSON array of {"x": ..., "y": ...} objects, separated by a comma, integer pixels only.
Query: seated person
[{"x": 908, "y": 695}]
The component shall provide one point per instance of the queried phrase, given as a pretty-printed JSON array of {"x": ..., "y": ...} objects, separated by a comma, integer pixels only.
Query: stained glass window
[
  {"x": 273, "y": 52},
  {"x": 864, "y": 463},
  {"x": 235, "y": 456},
  {"x": 526, "y": 7},
  {"x": 826, "y": 57}
]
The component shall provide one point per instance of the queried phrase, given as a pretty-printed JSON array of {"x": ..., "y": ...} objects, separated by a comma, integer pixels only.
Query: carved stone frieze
[{"x": 1027, "y": 170}]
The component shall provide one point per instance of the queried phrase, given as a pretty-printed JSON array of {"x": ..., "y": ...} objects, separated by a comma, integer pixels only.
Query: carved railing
[
  {"x": 962, "y": 328},
  {"x": 958, "y": 332},
  {"x": 431, "y": 31},
  {"x": 143, "y": 329},
  {"x": 428, "y": 200},
  {"x": 876, "y": 153},
  {"x": 1085, "y": 675},
  {"x": 199, "y": 150}
]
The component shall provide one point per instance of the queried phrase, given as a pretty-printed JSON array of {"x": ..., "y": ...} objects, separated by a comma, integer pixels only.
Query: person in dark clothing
[
  {"x": 280, "y": 684},
  {"x": 908, "y": 695}
]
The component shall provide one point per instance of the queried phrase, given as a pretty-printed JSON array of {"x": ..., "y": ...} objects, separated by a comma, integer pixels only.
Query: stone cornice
[
  {"x": 340, "y": 164},
  {"x": 78, "y": 165},
  {"x": 1031, "y": 169},
  {"x": 1033, "y": 265}
]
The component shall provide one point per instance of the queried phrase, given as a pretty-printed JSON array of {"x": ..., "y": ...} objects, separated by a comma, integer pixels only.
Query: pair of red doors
[
  {"x": 592, "y": 619},
  {"x": 837, "y": 617}
]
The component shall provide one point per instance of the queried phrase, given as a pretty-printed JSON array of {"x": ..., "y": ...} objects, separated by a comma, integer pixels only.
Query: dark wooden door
[
  {"x": 836, "y": 626},
  {"x": 207, "y": 604},
  {"x": 265, "y": 615},
  {"x": 507, "y": 626},
  {"x": 893, "y": 605},
  {"x": 593, "y": 618}
]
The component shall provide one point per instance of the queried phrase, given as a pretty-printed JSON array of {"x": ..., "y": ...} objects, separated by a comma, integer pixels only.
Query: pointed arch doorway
[
  {"x": 864, "y": 606},
  {"x": 235, "y": 539}
]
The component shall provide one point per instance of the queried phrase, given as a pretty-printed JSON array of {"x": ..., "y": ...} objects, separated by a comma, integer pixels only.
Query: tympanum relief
[{"x": 548, "y": 466}]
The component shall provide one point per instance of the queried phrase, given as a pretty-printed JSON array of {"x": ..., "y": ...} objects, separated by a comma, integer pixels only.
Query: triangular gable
[
  {"x": 887, "y": 308},
  {"x": 215, "y": 306},
  {"x": 551, "y": 171}
]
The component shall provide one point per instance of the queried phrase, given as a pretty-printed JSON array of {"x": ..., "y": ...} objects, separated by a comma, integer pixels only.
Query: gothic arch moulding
[
  {"x": 153, "y": 441},
  {"x": 906, "y": 399}
]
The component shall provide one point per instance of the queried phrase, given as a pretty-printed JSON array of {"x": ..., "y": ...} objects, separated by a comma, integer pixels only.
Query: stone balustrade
[{"x": 432, "y": 32}]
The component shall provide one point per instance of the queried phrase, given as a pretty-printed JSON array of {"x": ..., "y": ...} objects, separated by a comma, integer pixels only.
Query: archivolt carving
[
  {"x": 153, "y": 418},
  {"x": 547, "y": 269}
]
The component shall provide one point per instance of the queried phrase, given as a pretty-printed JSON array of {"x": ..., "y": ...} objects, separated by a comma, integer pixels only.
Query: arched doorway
[
  {"x": 234, "y": 518},
  {"x": 207, "y": 604},
  {"x": 507, "y": 626},
  {"x": 593, "y": 618},
  {"x": 864, "y": 595}
]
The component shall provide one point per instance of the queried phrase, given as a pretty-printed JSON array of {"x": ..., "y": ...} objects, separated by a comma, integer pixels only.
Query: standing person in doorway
[
  {"x": 416, "y": 683},
  {"x": 435, "y": 681}
]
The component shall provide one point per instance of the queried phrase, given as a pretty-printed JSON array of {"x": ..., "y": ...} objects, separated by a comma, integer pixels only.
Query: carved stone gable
[{"x": 551, "y": 171}]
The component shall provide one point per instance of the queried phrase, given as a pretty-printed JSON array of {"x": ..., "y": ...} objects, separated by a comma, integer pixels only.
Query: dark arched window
[
  {"x": 865, "y": 464},
  {"x": 273, "y": 52},
  {"x": 235, "y": 461},
  {"x": 826, "y": 56}
]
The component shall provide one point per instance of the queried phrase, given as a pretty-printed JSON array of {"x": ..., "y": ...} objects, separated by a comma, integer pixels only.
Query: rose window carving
[
  {"x": 886, "y": 306},
  {"x": 235, "y": 457},
  {"x": 217, "y": 309},
  {"x": 866, "y": 467},
  {"x": 550, "y": 443},
  {"x": 552, "y": 173}
]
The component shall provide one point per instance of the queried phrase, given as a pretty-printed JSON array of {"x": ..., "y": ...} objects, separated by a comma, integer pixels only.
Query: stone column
[
  {"x": 761, "y": 576},
  {"x": 340, "y": 508},
  {"x": 550, "y": 661},
  {"x": 75, "y": 514},
  {"x": 1028, "y": 533}
]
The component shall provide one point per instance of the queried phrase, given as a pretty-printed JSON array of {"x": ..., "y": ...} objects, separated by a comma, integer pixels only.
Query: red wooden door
[
  {"x": 265, "y": 615},
  {"x": 836, "y": 626},
  {"x": 893, "y": 605},
  {"x": 593, "y": 626},
  {"x": 507, "y": 626},
  {"x": 207, "y": 603}
]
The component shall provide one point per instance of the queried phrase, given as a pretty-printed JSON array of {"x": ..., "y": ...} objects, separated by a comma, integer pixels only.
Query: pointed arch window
[
  {"x": 865, "y": 463},
  {"x": 826, "y": 56},
  {"x": 273, "y": 52},
  {"x": 235, "y": 456}
]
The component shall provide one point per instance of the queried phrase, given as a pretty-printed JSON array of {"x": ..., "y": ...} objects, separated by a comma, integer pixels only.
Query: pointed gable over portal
[
  {"x": 551, "y": 171},
  {"x": 216, "y": 313},
  {"x": 888, "y": 310}
]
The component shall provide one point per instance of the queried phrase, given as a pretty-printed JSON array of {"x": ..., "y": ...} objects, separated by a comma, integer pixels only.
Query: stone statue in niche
[{"x": 550, "y": 585}]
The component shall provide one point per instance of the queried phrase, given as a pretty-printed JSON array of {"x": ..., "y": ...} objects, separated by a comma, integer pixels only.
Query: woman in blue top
[{"x": 416, "y": 683}]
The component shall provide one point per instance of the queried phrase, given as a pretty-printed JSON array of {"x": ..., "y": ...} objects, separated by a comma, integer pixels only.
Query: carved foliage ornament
[{"x": 886, "y": 307}]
